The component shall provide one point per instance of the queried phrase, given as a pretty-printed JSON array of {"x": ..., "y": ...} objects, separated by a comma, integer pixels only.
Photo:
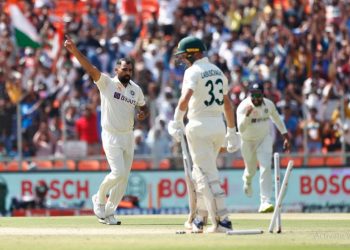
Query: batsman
[{"x": 204, "y": 98}]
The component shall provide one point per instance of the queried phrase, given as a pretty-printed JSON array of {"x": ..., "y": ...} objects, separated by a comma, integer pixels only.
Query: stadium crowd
[{"x": 299, "y": 50}]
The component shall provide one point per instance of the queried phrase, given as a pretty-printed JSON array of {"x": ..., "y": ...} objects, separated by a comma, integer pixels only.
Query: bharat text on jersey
[{"x": 122, "y": 97}]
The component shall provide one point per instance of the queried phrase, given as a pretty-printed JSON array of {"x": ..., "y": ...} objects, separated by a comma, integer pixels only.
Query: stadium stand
[
  {"x": 43, "y": 165},
  {"x": 64, "y": 165},
  {"x": 88, "y": 165},
  {"x": 298, "y": 161},
  {"x": 14, "y": 166},
  {"x": 316, "y": 161},
  {"x": 237, "y": 163},
  {"x": 140, "y": 165},
  {"x": 2, "y": 166},
  {"x": 164, "y": 164},
  {"x": 334, "y": 161},
  {"x": 104, "y": 165}
]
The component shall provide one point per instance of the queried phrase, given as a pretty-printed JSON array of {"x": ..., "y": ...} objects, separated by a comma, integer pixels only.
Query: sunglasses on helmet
[{"x": 256, "y": 95}]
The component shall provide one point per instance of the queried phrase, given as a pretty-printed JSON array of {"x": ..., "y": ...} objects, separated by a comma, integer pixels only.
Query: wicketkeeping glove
[
  {"x": 233, "y": 141},
  {"x": 176, "y": 129}
]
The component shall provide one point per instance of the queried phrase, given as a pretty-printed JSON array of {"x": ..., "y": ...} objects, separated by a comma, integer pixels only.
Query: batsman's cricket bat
[{"x": 189, "y": 181}]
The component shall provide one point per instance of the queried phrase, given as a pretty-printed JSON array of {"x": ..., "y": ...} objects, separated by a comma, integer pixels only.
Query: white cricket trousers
[
  {"x": 254, "y": 153},
  {"x": 205, "y": 137},
  {"x": 119, "y": 150}
]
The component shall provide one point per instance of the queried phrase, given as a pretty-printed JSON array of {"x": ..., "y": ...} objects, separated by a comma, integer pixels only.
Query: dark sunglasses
[{"x": 256, "y": 95}]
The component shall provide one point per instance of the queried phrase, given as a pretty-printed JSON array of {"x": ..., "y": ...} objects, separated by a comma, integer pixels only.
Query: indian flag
[
  {"x": 56, "y": 43},
  {"x": 25, "y": 33}
]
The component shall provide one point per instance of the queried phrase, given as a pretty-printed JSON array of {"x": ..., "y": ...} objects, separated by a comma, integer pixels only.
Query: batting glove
[
  {"x": 233, "y": 141},
  {"x": 176, "y": 129}
]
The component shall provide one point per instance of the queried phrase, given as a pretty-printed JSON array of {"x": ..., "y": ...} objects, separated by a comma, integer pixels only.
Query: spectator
[
  {"x": 313, "y": 127},
  {"x": 141, "y": 147},
  {"x": 71, "y": 116},
  {"x": 293, "y": 99},
  {"x": 30, "y": 109},
  {"x": 302, "y": 47},
  {"x": 7, "y": 111},
  {"x": 330, "y": 99},
  {"x": 159, "y": 141},
  {"x": 165, "y": 106},
  {"x": 235, "y": 93},
  {"x": 291, "y": 122},
  {"x": 271, "y": 92},
  {"x": 86, "y": 129},
  {"x": 44, "y": 141},
  {"x": 346, "y": 137},
  {"x": 166, "y": 18},
  {"x": 312, "y": 97},
  {"x": 3, "y": 152},
  {"x": 331, "y": 133},
  {"x": 152, "y": 103}
]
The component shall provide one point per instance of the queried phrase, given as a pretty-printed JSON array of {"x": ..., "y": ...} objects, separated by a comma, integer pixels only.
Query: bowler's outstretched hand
[{"x": 69, "y": 44}]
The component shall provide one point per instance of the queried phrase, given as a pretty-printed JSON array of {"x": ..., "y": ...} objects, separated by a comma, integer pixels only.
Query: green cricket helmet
[{"x": 190, "y": 44}]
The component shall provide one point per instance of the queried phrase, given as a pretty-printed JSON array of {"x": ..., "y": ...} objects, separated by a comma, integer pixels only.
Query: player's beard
[
  {"x": 124, "y": 79},
  {"x": 257, "y": 103}
]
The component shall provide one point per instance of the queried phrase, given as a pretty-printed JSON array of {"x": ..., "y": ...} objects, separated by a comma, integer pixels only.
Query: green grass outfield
[{"x": 300, "y": 231}]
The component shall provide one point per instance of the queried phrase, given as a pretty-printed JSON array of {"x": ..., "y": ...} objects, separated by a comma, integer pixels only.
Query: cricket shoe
[
  {"x": 222, "y": 227},
  {"x": 188, "y": 225},
  {"x": 197, "y": 226},
  {"x": 110, "y": 220},
  {"x": 247, "y": 188},
  {"x": 99, "y": 209},
  {"x": 266, "y": 207}
]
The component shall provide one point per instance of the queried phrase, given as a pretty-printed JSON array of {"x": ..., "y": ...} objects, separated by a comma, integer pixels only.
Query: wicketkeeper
[{"x": 253, "y": 120}]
